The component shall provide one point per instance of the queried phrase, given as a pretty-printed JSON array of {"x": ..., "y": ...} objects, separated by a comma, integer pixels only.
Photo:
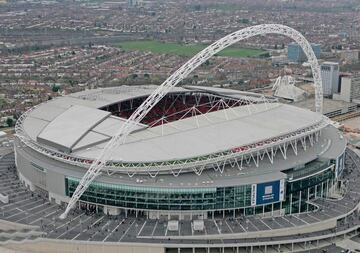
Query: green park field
[{"x": 158, "y": 47}]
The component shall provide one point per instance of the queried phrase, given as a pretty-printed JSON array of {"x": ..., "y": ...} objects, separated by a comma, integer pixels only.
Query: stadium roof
[
  {"x": 74, "y": 124},
  {"x": 210, "y": 133}
]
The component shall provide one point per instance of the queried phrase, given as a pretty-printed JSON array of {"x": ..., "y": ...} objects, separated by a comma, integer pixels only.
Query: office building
[
  {"x": 330, "y": 78},
  {"x": 296, "y": 54}
]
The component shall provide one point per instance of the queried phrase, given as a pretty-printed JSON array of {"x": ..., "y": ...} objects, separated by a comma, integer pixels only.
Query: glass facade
[
  {"x": 307, "y": 169},
  {"x": 298, "y": 192},
  {"x": 296, "y": 54},
  {"x": 306, "y": 182},
  {"x": 163, "y": 198}
]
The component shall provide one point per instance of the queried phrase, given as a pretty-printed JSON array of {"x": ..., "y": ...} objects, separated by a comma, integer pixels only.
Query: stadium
[
  {"x": 179, "y": 169},
  {"x": 199, "y": 152}
]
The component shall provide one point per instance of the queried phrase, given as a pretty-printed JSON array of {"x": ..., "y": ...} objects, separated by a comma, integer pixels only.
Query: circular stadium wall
[{"x": 267, "y": 178}]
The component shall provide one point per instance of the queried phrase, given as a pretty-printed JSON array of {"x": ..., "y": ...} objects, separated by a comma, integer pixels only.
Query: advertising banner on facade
[
  {"x": 282, "y": 190},
  {"x": 253, "y": 195},
  {"x": 340, "y": 165},
  {"x": 266, "y": 193}
]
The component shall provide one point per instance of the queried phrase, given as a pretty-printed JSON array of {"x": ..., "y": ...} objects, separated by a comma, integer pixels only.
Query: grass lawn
[{"x": 158, "y": 47}]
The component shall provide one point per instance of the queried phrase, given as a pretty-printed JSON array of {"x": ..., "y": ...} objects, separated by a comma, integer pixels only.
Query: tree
[
  {"x": 197, "y": 7},
  {"x": 55, "y": 88},
  {"x": 245, "y": 21},
  {"x": 9, "y": 122},
  {"x": 265, "y": 55}
]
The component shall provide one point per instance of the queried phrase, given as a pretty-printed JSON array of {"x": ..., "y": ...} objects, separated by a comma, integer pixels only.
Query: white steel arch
[{"x": 130, "y": 124}]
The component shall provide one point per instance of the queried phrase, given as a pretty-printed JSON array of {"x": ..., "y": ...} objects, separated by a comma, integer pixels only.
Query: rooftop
[
  {"x": 210, "y": 133},
  {"x": 74, "y": 124}
]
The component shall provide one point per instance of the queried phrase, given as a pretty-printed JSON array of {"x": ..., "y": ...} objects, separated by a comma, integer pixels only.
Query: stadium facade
[{"x": 199, "y": 152}]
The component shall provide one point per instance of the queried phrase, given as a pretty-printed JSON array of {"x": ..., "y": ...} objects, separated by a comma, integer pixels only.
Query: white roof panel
[
  {"x": 70, "y": 126},
  {"x": 47, "y": 112},
  {"x": 33, "y": 126},
  {"x": 112, "y": 125},
  {"x": 90, "y": 139}
]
